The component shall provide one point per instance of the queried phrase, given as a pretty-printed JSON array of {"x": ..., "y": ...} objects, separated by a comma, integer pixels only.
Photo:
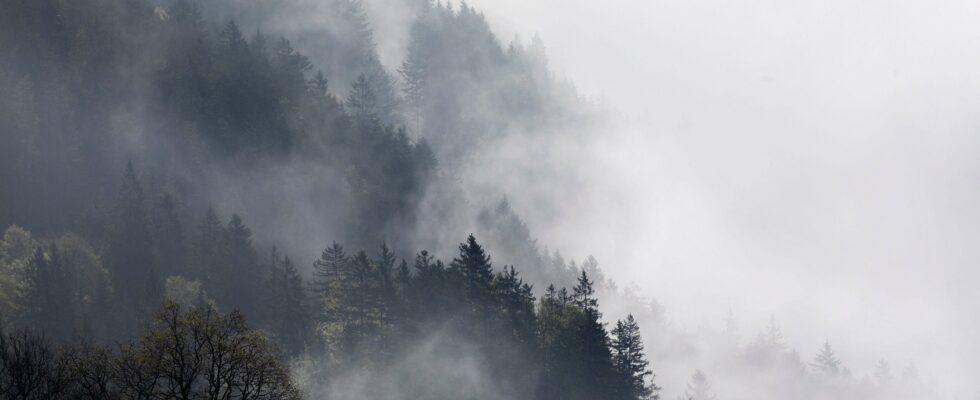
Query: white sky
[{"x": 813, "y": 159}]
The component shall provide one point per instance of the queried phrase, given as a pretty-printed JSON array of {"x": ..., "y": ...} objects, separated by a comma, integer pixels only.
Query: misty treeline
[
  {"x": 134, "y": 130},
  {"x": 358, "y": 315}
]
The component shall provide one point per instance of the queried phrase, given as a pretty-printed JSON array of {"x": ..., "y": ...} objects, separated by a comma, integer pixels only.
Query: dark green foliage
[
  {"x": 130, "y": 254},
  {"x": 168, "y": 238},
  {"x": 50, "y": 301},
  {"x": 573, "y": 322},
  {"x": 207, "y": 107},
  {"x": 244, "y": 274},
  {"x": 473, "y": 265},
  {"x": 287, "y": 304},
  {"x": 629, "y": 361}
]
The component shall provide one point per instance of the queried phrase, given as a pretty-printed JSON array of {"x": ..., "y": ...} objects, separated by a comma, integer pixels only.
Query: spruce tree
[
  {"x": 584, "y": 294},
  {"x": 241, "y": 283},
  {"x": 826, "y": 362},
  {"x": 362, "y": 102},
  {"x": 699, "y": 388},
  {"x": 129, "y": 257},
  {"x": 631, "y": 365},
  {"x": 287, "y": 303},
  {"x": 168, "y": 238},
  {"x": 474, "y": 265},
  {"x": 328, "y": 270},
  {"x": 210, "y": 250}
]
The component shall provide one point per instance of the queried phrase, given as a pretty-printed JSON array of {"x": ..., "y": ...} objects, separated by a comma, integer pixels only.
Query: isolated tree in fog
[
  {"x": 826, "y": 362},
  {"x": 699, "y": 388},
  {"x": 584, "y": 293},
  {"x": 631, "y": 365},
  {"x": 883, "y": 372}
]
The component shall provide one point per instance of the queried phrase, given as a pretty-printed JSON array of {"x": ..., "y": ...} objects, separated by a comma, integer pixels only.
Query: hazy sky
[{"x": 813, "y": 159}]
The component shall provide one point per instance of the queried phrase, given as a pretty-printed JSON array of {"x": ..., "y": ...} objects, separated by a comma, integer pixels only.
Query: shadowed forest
[{"x": 238, "y": 200}]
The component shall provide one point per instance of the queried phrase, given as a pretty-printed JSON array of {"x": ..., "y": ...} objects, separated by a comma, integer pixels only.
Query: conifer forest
[{"x": 414, "y": 199}]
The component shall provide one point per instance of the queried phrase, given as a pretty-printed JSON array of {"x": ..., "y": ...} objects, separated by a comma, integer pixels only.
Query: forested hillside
[{"x": 196, "y": 207}]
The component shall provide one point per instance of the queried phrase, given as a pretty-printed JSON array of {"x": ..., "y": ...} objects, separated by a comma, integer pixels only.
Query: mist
[
  {"x": 816, "y": 162},
  {"x": 493, "y": 199}
]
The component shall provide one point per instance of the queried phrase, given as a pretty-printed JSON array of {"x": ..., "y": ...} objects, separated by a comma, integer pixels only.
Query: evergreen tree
[
  {"x": 597, "y": 374},
  {"x": 288, "y": 316},
  {"x": 826, "y": 362},
  {"x": 129, "y": 256},
  {"x": 328, "y": 271},
  {"x": 584, "y": 294},
  {"x": 631, "y": 365},
  {"x": 362, "y": 102},
  {"x": 168, "y": 238},
  {"x": 210, "y": 250},
  {"x": 474, "y": 265},
  {"x": 699, "y": 388},
  {"x": 241, "y": 286}
]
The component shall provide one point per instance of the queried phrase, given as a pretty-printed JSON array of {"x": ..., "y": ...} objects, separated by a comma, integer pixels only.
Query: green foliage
[
  {"x": 629, "y": 361},
  {"x": 287, "y": 304},
  {"x": 16, "y": 249}
]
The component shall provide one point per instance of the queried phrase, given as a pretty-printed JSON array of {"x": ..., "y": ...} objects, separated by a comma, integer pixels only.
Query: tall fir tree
[
  {"x": 286, "y": 303},
  {"x": 241, "y": 286},
  {"x": 129, "y": 257},
  {"x": 826, "y": 362},
  {"x": 630, "y": 362},
  {"x": 474, "y": 265},
  {"x": 699, "y": 388}
]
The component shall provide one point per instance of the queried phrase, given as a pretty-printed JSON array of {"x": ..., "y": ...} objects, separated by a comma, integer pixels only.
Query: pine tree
[
  {"x": 596, "y": 373},
  {"x": 631, "y": 365},
  {"x": 826, "y": 362},
  {"x": 288, "y": 316},
  {"x": 328, "y": 270},
  {"x": 699, "y": 388},
  {"x": 584, "y": 294},
  {"x": 130, "y": 256},
  {"x": 168, "y": 238},
  {"x": 241, "y": 286},
  {"x": 362, "y": 102},
  {"x": 474, "y": 265},
  {"x": 210, "y": 250},
  {"x": 387, "y": 296}
]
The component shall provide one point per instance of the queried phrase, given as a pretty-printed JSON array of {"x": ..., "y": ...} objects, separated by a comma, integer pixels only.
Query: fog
[
  {"x": 754, "y": 178},
  {"x": 814, "y": 161}
]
